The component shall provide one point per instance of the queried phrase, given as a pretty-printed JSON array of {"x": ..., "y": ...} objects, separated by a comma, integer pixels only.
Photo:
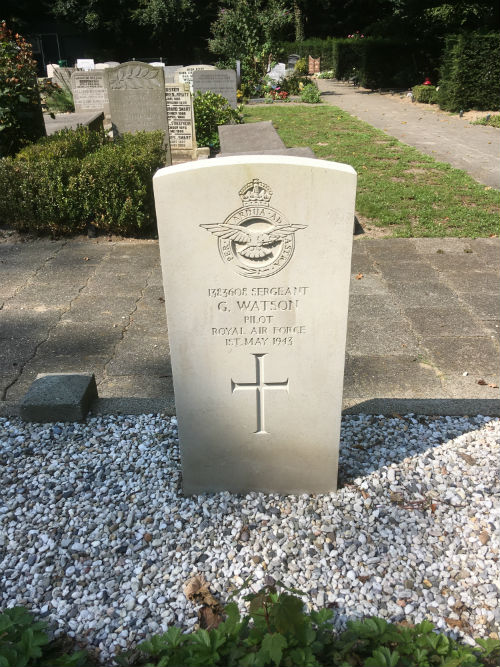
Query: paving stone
[
  {"x": 141, "y": 386},
  {"x": 392, "y": 249},
  {"x": 446, "y": 245},
  {"x": 380, "y": 336},
  {"x": 370, "y": 283},
  {"x": 443, "y": 322},
  {"x": 485, "y": 305},
  {"x": 424, "y": 294},
  {"x": 374, "y": 305},
  {"x": 478, "y": 356},
  {"x": 59, "y": 397},
  {"x": 395, "y": 377},
  {"x": 406, "y": 272},
  {"x": 473, "y": 281},
  {"x": 73, "y": 339},
  {"x": 140, "y": 356}
]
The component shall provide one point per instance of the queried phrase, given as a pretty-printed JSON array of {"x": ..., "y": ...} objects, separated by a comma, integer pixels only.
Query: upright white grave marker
[{"x": 256, "y": 272}]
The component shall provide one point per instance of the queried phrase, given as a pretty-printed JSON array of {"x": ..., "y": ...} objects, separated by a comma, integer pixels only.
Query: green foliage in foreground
[
  {"x": 277, "y": 631},
  {"x": 24, "y": 643},
  {"x": 64, "y": 182},
  {"x": 425, "y": 94},
  {"x": 210, "y": 111},
  {"x": 408, "y": 193},
  {"x": 494, "y": 121}
]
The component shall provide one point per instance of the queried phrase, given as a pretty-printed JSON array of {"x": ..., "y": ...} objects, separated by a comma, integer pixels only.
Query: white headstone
[
  {"x": 277, "y": 72},
  {"x": 185, "y": 74},
  {"x": 180, "y": 117},
  {"x": 256, "y": 255},
  {"x": 89, "y": 91},
  {"x": 102, "y": 66},
  {"x": 85, "y": 63}
]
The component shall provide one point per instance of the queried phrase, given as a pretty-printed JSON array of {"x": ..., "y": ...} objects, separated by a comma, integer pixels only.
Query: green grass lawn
[{"x": 399, "y": 188}]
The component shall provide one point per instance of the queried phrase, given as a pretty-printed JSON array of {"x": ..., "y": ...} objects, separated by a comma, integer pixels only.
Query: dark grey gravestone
[
  {"x": 252, "y": 137},
  {"x": 59, "y": 397},
  {"x": 219, "y": 81},
  {"x": 136, "y": 93},
  {"x": 89, "y": 91}
]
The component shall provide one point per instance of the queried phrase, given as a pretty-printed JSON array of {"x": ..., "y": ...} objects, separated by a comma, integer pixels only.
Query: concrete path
[
  {"x": 423, "y": 329},
  {"x": 446, "y": 137}
]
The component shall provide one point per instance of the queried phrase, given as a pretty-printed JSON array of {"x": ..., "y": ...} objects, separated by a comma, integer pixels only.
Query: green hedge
[
  {"x": 62, "y": 183},
  {"x": 470, "y": 72},
  {"x": 425, "y": 94},
  {"x": 375, "y": 62}
]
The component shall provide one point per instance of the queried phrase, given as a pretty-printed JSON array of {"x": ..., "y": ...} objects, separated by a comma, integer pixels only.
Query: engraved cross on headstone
[{"x": 260, "y": 386}]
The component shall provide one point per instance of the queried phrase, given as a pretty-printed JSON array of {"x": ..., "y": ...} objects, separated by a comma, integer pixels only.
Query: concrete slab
[
  {"x": 262, "y": 136},
  {"x": 108, "y": 321},
  {"x": 59, "y": 397}
]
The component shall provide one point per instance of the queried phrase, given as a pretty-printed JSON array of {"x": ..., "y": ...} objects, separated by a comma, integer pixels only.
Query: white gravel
[{"x": 96, "y": 537}]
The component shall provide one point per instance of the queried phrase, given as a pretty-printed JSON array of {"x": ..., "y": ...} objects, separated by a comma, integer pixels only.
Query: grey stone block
[
  {"x": 59, "y": 397},
  {"x": 236, "y": 139}
]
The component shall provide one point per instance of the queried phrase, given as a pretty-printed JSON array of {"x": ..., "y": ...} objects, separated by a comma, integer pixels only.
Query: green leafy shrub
[
  {"x": 210, "y": 111},
  {"x": 310, "y": 94},
  {"x": 294, "y": 83},
  {"x": 21, "y": 119},
  {"x": 494, "y": 121},
  {"x": 301, "y": 68},
  {"x": 116, "y": 184},
  {"x": 24, "y": 643},
  {"x": 277, "y": 631},
  {"x": 425, "y": 94},
  {"x": 470, "y": 72},
  {"x": 64, "y": 144},
  {"x": 60, "y": 184}
]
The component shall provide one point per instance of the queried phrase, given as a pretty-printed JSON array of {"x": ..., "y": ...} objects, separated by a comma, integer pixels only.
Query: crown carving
[{"x": 255, "y": 193}]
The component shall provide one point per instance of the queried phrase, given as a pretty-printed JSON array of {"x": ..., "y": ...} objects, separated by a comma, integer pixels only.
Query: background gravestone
[
  {"x": 136, "y": 93},
  {"x": 256, "y": 270},
  {"x": 85, "y": 64},
  {"x": 169, "y": 72},
  {"x": 219, "y": 81},
  {"x": 277, "y": 72},
  {"x": 62, "y": 76},
  {"x": 185, "y": 74},
  {"x": 314, "y": 65},
  {"x": 89, "y": 91},
  {"x": 180, "y": 120}
]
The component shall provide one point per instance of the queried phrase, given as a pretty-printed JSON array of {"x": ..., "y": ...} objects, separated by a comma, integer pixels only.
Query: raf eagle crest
[{"x": 255, "y": 239}]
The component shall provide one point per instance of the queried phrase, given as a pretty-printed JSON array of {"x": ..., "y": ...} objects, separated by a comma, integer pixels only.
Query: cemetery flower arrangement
[{"x": 18, "y": 92}]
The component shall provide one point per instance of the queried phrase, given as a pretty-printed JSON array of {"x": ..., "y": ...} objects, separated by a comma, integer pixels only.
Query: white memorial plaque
[
  {"x": 256, "y": 270},
  {"x": 86, "y": 64},
  {"x": 180, "y": 116}
]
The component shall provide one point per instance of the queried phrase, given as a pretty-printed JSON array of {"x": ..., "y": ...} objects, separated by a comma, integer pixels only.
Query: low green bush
[
  {"x": 116, "y": 184},
  {"x": 277, "y": 631},
  {"x": 60, "y": 101},
  {"x": 62, "y": 183},
  {"x": 301, "y": 68},
  {"x": 310, "y": 94},
  {"x": 210, "y": 111},
  {"x": 64, "y": 144},
  {"x": 25, "y": 643},
  {"x": 425, "y": 94},
  {"x": 328, "y": 74}
]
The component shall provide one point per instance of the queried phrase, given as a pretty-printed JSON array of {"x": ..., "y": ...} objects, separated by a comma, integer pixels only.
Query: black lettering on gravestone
[
  {"x": 89, "y": 91},
  {"x": 180, "y": 118},
  {"x": 219, "y": 81},
  {"x": 136, "y": 93}
]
